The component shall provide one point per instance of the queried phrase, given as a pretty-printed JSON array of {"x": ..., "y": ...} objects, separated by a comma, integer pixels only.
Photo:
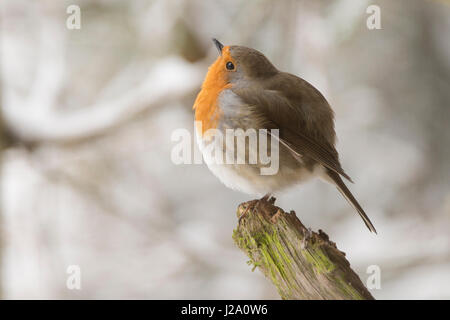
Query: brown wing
[
  {"x": 302, "y": 115},
  {"x": 306, "y": 125}
]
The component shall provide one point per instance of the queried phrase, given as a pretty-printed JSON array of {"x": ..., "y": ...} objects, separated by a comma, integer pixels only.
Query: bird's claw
[{"x": 254, "y": 203}]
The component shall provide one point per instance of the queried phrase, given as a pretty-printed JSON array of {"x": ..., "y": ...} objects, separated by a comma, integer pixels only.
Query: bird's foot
[
  {"x": 268, "y": 198},
  {"x": 254, "y": 203},
  {"x": 250, "y": 205}
]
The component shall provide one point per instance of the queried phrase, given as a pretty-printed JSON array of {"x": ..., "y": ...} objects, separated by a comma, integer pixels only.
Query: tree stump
[{"x": 300, "y": 263}]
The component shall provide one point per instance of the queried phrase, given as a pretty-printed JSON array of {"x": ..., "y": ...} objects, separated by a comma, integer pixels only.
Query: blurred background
[{"x": 86, "y": 121}]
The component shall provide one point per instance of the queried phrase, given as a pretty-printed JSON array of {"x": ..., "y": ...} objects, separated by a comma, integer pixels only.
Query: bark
[{"x": 300, "y": 263}]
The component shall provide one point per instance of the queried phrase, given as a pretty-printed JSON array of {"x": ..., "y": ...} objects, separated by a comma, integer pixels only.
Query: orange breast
[{"x": 206, "y": 106}]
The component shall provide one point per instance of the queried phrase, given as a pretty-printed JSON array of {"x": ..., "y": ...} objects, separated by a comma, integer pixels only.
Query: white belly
[
  {"x": 248, "y": 179},
  {"x": 230, "y": 174}
]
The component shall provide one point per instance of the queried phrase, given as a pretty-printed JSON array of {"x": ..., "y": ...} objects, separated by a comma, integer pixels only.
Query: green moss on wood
[
  {"x": 319, "y": 259},
  {"x": 300, "y": 268}
]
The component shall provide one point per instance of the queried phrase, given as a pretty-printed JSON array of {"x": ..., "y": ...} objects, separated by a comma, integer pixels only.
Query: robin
[{"x": 244, "y": 90}]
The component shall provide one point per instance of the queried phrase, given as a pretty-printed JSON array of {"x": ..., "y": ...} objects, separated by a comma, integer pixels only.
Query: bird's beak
[{"x": 219, "y": 46}]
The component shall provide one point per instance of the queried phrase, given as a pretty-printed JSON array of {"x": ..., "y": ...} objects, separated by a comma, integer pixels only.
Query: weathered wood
[{"x": 300, "y": 263}]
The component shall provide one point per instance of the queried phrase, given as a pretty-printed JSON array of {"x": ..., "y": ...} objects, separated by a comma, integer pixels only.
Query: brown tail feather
[{"x": 340, "y": 185}]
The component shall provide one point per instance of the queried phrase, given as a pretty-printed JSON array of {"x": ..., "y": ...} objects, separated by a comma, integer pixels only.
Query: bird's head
[
  {"x": 235, "y": 66},
  {"x": 237, "y": 63}
]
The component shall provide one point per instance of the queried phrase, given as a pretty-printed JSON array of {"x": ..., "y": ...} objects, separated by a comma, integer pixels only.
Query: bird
[{"x": 244, "y": 90}]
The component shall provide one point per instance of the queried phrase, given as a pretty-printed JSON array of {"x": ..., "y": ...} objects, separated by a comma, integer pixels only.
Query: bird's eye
[{"x": 230, "y": 65}]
